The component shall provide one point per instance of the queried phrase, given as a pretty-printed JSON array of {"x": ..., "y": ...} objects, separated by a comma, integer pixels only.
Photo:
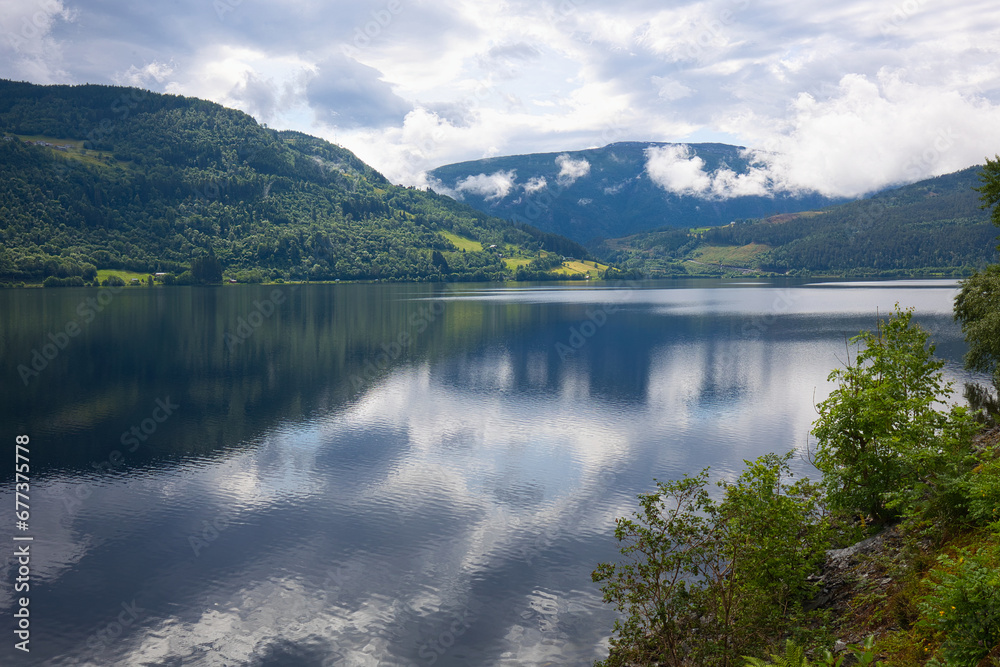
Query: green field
[
  {"x": 76, "y": 151},
  {"x": 513, "y": 263},
  {"x": 730, "y": 255},
  {"x": 127, "y": 276},
  {"x": 582, "y": 267},
  {"x": 463, "y": 243}
]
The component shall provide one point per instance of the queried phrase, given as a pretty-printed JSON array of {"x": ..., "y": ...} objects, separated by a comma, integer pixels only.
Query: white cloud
[
  {"x": 267, "y": 87},
  {"x": 535, "y": 184},
  {"x": 27, "y": 47},
  {"x": 676, "y": 169},
  {"x": 146, "y": 76},
  {"x": 456, "y": 80},
  {"x": 493, "y": 186},
  {"x": 873, "y": 133},
  {"x": 669, "y": 89},
  {"x": 571, "y": 170}
]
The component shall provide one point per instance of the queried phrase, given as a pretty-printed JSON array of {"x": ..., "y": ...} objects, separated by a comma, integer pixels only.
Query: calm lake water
[{"x": 383, "y": 475}]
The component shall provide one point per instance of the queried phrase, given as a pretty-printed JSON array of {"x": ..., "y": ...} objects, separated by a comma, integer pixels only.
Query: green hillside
[
  {"x": 935, "y": 226},
  {"x": 103, "y": 177}
]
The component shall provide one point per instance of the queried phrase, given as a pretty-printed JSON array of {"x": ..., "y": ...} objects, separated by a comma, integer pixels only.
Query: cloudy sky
[{"x": 842, "y": 97}]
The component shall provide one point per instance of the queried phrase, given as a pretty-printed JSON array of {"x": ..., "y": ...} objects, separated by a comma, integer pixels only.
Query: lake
[{"x": 384, "y": 474}]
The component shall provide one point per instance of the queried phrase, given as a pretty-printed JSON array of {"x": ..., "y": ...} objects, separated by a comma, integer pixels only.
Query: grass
[
  {"x": 102, "y": 275},
  {"x": 575, "y": 267},
  {"x": 76, "y": 151},
  {"x": 463, "y": 243},
  {"x": 127, "y": 276},
  {"x": 513, "y": 263},
  {"x": 729, "y": 255}
]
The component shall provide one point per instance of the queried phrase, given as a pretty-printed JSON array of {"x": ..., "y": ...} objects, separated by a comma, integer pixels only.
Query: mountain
[
  {"x": 935, "y": 226},
  {"x": 103, "y": 177},
  {"x": 609, "y": 192}
]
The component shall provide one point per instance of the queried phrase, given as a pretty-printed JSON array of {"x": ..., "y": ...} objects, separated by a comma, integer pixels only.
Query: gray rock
[{"x": 840, "y": 557}]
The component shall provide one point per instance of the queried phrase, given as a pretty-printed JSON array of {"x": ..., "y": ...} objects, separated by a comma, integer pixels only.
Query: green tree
[
  {"x": 977, "y": 306},
  {"x": 438, "y": 260},
  {"x": 879, "y": 434},
  {"x": 705, "y": 582},
  {"x": 989, "y": 191},
  {"x": 206, "y": 269}
]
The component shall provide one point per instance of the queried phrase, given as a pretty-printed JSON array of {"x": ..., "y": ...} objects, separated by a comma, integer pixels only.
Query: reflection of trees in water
[{"x": 985, "y": 400}]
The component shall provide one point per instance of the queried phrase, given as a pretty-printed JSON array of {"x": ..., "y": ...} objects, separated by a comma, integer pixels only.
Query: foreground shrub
[
  {"x": 962, "y": 611},
  {"x": 705, "y": 582},
  {"x": 982, "y": 488},
  {"x": 882, "y": 446}
]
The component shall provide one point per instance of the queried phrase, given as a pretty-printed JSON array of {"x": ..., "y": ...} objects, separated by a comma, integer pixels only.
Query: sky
[{"x": 841, "y": 98}]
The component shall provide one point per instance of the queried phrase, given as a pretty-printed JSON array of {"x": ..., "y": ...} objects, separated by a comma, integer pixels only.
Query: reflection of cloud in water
[
  {"x": 478, "y": 478},
  {"x": 524, "y": 444},
  {"x": 263, "y": 620}
]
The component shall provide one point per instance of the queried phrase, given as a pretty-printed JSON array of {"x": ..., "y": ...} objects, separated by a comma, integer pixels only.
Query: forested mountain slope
[
  {"x": 122, "y": 178},
  {"x": 933, "y": 226}
]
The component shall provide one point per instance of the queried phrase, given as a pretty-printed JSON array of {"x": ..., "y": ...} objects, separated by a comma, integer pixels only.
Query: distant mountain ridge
[{"x": 608, "y": 192}]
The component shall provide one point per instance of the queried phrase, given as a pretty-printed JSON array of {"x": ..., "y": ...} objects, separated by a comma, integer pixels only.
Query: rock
[{"x": 841, "y": 557}]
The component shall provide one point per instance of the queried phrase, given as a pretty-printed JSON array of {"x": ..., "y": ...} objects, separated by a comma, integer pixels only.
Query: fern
[{"x": 794, "y": 657}]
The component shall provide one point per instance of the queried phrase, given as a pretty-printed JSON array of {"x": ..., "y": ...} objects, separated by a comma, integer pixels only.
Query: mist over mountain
[
  {"x": 936, "y": 226},
  {"x": 625, "y": 188}
]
